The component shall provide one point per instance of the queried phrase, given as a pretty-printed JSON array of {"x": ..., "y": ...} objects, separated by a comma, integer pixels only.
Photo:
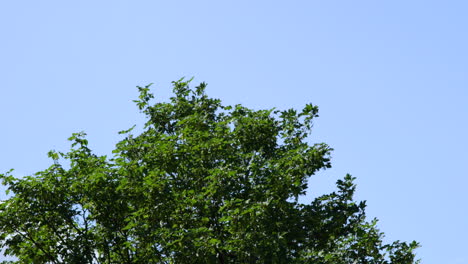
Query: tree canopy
[{"x": 202, "y": 183}]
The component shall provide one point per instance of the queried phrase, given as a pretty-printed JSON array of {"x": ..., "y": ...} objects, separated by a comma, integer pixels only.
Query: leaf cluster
[{"x": 203, "y": 183}]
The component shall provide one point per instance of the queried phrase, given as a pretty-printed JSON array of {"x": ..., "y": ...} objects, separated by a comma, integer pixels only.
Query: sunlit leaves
[{"x": 203, "y": 183}]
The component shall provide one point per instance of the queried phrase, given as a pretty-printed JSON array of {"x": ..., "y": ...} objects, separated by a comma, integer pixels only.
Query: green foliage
[{"x": 203, "y": 183}]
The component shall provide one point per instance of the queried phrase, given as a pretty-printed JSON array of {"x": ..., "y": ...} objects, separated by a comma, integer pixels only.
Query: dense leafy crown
[{"x": 203, "y": 183}]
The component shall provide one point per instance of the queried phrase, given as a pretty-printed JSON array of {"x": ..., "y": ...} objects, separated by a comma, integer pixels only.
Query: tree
[{"x": 203, "y": 183}]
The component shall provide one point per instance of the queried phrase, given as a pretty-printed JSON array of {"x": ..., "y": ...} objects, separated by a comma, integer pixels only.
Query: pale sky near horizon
[{"x": 390, "y": 79}]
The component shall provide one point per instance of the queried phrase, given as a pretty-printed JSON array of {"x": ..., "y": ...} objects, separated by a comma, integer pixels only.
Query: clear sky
[{"x": 390, "y": 78}]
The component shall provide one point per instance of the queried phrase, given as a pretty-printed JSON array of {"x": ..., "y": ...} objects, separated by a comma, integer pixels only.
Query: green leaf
[{"x": 202, "y": 183}]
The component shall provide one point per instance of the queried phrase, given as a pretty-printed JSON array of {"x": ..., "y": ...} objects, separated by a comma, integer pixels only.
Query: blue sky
[{"x": 390, "y": 78}]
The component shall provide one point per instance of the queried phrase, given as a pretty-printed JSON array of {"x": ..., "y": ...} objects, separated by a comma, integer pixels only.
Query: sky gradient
[{"x": 390, "y": 79}]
